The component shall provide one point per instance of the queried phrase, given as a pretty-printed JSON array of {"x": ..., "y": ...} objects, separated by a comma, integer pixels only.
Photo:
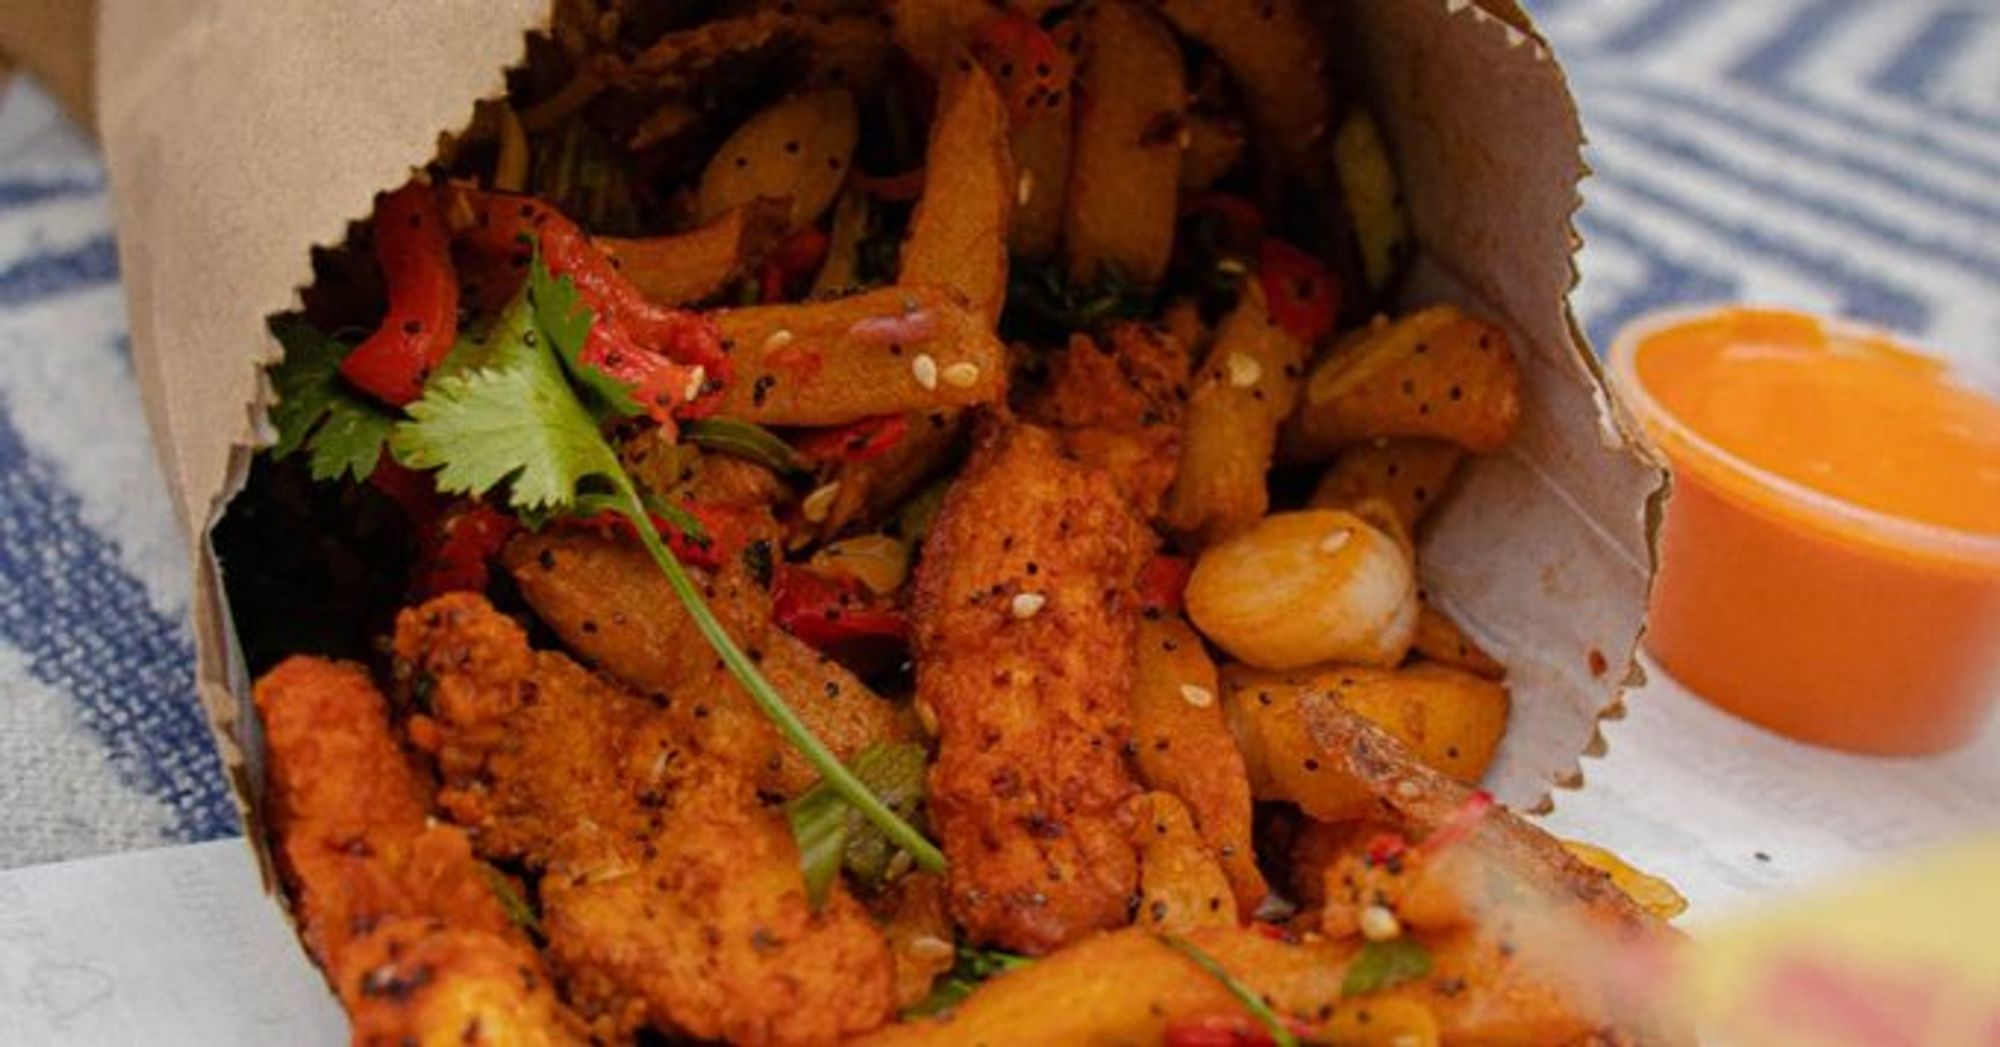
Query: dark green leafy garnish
[
  {"x": 972, "y": 967},
  {"x": 833, "y": 836},
  {"x": 340, "y": 430},
  {"x": 746, "y": 440},
  {"x": 1044, "y": 305},
  {"x": 1385, "y": 965}
]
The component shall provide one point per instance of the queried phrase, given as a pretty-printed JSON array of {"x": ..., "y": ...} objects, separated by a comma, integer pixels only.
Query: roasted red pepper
[
  {"x": 1302, "y": 295},
  {"x": 457, "y": 554},
  {"x": 1461, "y": 824},
  {"x": 794, "y": 261},
  {"x": 414, "y": 250},
  {"x": 1225, "y": 1030},
  {"x": 1386, "y": 847},
  {"x": 1163, "y": 582},
  {"x": 673, "y": 358},
  {"x": 857, "y": 441},
  {"x": 725, "y": 533},
  {"x": 825, "y": 611},
  {"x": 1027, "y": 64}
]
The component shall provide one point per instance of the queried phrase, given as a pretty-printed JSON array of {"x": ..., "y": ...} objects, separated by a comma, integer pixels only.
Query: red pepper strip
[
  {"x": 794, "y": 261},
  {"x": 665, "y": 352},
  {"x": 1384, "y": 848},
  {"x": 414, "y": 252},
  {"x": 857, "y": 441},
  {"x": 1462, "y": 823},
  {"x": 1026, "y": 62},
  {"x": 1225, "y": 1030},
  {"x": 727, "y": 534},
  {"x": 896, "y": 188},
  {"x": 1163, "y": 581},
  {"x": 1276, "y": 933},
  {"x": 412, "y": 491},
  {"x": 457, "y": 553},
  {"x": 1303, "y": 297},
  {"x": 1242, "y": 224},
  {"x": 824, "y": 611}
]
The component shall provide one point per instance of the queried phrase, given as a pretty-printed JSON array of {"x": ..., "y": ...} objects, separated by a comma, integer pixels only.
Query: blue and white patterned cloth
[{"x": 1840, "y": 155}]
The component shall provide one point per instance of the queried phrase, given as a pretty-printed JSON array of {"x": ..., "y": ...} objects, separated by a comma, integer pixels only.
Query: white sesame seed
[
  {"x": 925, "y": 369},
  {"x": 695, "y": 379},
  {"x": 1244, "y": 371},
  {"x": 925, "y": 947},
  {"x": 1025, "y": 188},
  {"x": 961, "y": 374},
  {"x": 899, "y": 863},
  {"x": 1408, "y": 789},
  {"x": 819, "y": 502},
  {"x": 927, "y": 716},
  {"x": 1378, "y": 924},
  {"x": 1231, "y": 266},
  {"x": 779, "y": 339},
  {"x": 1335, "y": 541},
  {"x": 1199, "y": 697},
  {"x": 1026, "y": 605}
]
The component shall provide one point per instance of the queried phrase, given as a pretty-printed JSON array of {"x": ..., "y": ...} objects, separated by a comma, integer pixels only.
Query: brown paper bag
[{"x": 240, "y": 134}]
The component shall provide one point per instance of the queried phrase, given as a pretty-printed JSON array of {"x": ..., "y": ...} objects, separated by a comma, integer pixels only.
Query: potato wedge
[
  {"x": 1449, "y": 720},
  {"x": 1125, "y": 165},
  {"x": 1184, "y": 747},
  {"x": 869, "y": 490},
  {"x": 958, "y": 236},
  {"x": 841, "y": 272},
  {"x": 1275, "y": 52},
  {"x": 1440, "y": 640},
  {"x": 1435, "y": 373},
  {"x": 1374, "y": 200},
  {"x": 1306, "y": 587},
  {"x": 796, "y": 150},
  {"x": 1181, "y": 885},
  {"x": 1246, "y": 387},
  {"x": 683, "y": 268},
  {"x": 1407, "y": 475},
  {"x": 1041, "y": 139},
  {"x": 887, "y": 351}
]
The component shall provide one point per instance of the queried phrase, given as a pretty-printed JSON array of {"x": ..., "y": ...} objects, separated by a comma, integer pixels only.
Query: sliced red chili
[
  {"x": 414, "y": 250},
  {"x": 1027, "y": 64},
  {"x": 857, "y": 441},
  {"x": 1302, "y": 295},
  {"x": 725, "y": 533},
  {"x": 1461, "y": 824},
  {"x": 792, "y": 263},
  {"x": 1163, "y": 582},
  {"x": 825, "y": 612},
  {"x": 1215, "y": 1030},
  {"x": 1239, "y": 225},
  {"x": 1384, "y": 848},
  {"x": 457, "y": 555}
]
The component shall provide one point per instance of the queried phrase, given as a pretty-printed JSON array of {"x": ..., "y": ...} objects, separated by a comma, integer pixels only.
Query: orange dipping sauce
[{"x": 1831, "y": 555}]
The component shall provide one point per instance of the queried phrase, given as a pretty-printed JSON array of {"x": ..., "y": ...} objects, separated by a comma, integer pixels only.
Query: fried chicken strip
[
  {"x": 671, "y": 895},
  {"x": 400, "y": 914},
  {"x": 1116, "y": 403},
  {"x": 1024, "y": 622}
]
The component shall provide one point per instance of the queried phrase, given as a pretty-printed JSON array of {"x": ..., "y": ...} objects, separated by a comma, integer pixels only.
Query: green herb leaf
[
  {"x": 340, "y": 430},
  {"x": 832, "y": 835},
  {"x": 1251, "y": 1000},
  {"x": 972, "y": 968},
  {"x": 561, "y": 314},
  {"x": 746, "y": 440},
  {"x": 1384, "y": 965},
  {"x": 1044, "y": 305}
]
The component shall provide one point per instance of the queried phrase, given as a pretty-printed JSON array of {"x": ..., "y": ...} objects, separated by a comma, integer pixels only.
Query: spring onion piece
[
  {"x": 1385, "y": 965},
  {"x": 1248, "y": 997},
  {"x": 972, "y": 968},
  {"x": 833, "y": 836},
  {"x": 746, "y": 440}
]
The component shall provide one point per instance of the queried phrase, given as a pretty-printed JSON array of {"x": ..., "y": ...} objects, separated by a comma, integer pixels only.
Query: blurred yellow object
[
  {"x": 1653, "y": 894},
  {"x": 875, "y": 560},
  {"x": 1909, "y": 954}
]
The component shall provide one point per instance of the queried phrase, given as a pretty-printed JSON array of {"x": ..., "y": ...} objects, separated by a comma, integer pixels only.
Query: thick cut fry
[
  {"x": 1125, "y": 164},
  {"x": 1024, "y": 624},
  {"x": 1409, "y": 476},
  {"x": 1181, "y": 885},
  {"x": 958, "y": 236},
  {"x": 1243, "y": 392},
  {"x": 384, "y": 898},
  {"x": 604, "y": 599},
  {"x": 1128, "y": 986},
  {"x": 888, "y": 351},
  {"x": 1374, "y": 201},
  {"x": 1042, "y": 130},
  {"x": 671, "y": 893},
  {"x": 689, "y": 267},
  {"x": 1300, "y": 588},
  {"x": 1435, "y": 373},
  {"x": 1440, "y": 640},
  {"x": 1115, "y": 403},
  {"x": 1451, "y": 720},
  {"x": 796, "y": 150},
  {"x": 1184, "y": 747},
  {"x": 1275, "y": 52},
  {"x": 933, "y": 31}
]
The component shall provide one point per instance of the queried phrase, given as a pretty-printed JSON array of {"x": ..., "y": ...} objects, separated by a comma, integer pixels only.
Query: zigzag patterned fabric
[{"x": 1840, "y": 155}]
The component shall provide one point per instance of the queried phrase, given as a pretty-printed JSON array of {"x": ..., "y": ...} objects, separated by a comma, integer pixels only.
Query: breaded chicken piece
[
  {"x": 671, "y": 896},
  {"x": 1116, "y": 404},
  {"x": 374, "y": 881},
  {"x": 1024, "y": 620},
  {"x": 611, "y": 606}
]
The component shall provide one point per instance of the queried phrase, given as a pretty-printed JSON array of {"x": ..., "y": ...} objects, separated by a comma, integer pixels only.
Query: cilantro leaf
[
  {"x": 341, "y": 431},
  {"x": 1384, "y": 965},
  {"x": 971, "y": 968},
  {"x": 561, "y": 314}
]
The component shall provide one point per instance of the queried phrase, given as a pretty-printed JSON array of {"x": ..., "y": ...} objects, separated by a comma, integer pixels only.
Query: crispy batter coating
[
  {"x": 1029, "y": 794},
  {"x": 611, "y": 606},
  {"x": 1116, "y": 404},
  {"x": 400, "y": 914},
  {"x": 672, "y": 896}
]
